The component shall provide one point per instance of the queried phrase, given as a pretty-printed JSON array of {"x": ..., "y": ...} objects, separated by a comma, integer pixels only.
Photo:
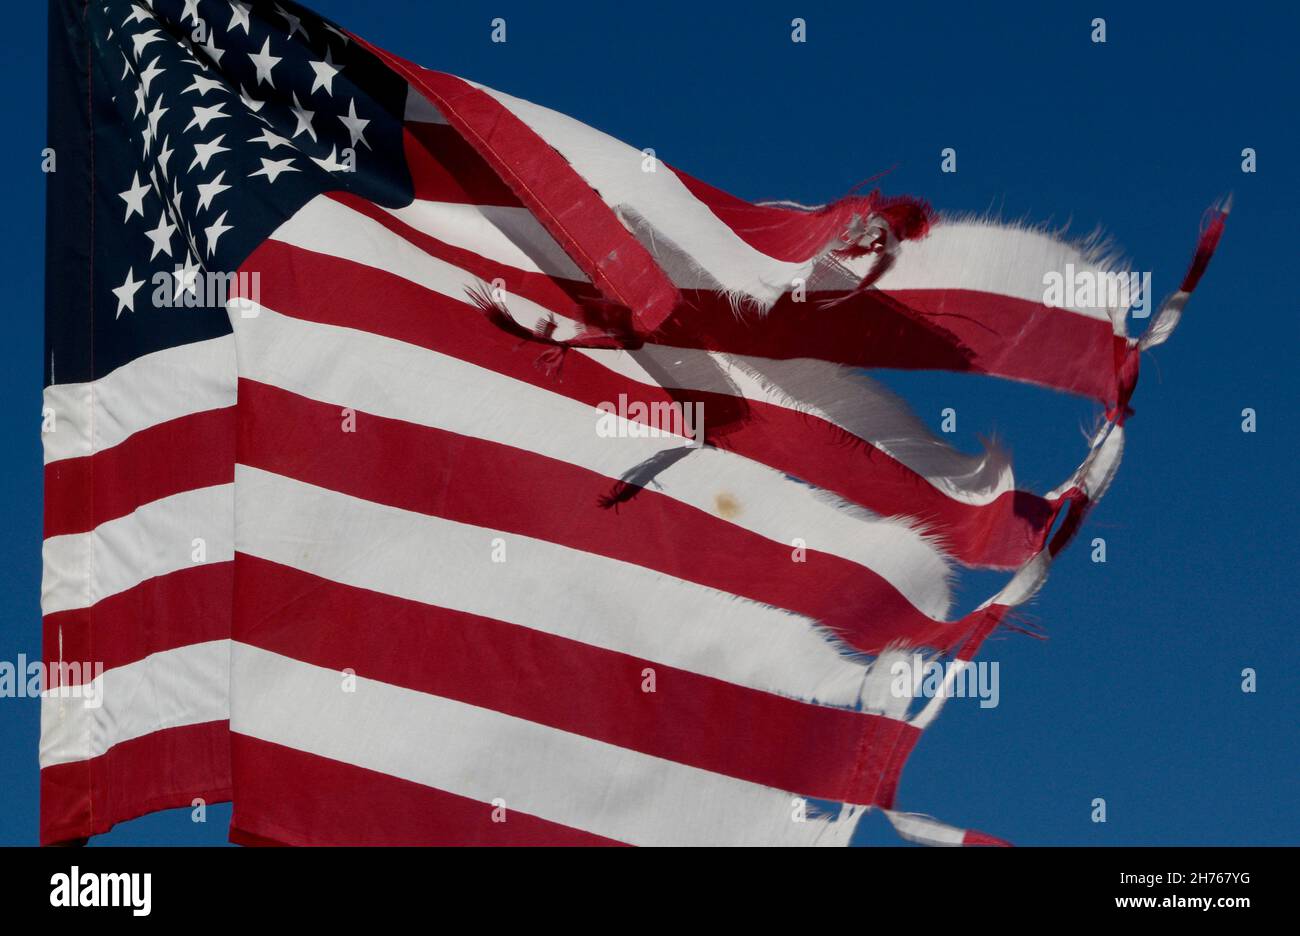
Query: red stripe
[
  {"x": 983, "y": 838},
  {"x": 890, "y": 767},
  {"x": 786, "y": 234},
  {"x": 179, "y": 455},
  {"x": 574, "y": 213},
  {"x": 954, "y": 330},
  {"x": 503, "y": 488},
  {"x": 795, "y": 235},
  {"x": 1003, "y": 533},
  {"x": 1205, "y": 247},
  {"x": 982, "y": 622},
  {"x": 289, "y": 797},
  {"x": 185, "y": 607},
  {"x": 162, "y": 770},
  {"x": 1024, "y": 340},
  {"x": 809, "y": 750}
]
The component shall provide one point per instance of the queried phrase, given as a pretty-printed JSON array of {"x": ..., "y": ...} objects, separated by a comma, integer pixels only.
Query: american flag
[{"x": 359, "y": 487}]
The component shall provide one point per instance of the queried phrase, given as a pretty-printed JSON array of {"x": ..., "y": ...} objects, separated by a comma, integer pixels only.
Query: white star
[
  {"x": 134, "y": 197},
  {"x": 149, "y": 74},
  {"x": 330, "y": 164},
  {"x": 139, "y": 14},
  {"x": 203, "y": 85},
  {"x": 271, "y": 168},
  {"x": 215, "y": 230},
  {"x": 126, "y": 293},
  {"x": 238, "y": 16},
  {"x": 139, "y": 101},
  {"x": 295, "y": 24},
  {"x": 205, "y": 151},
  {"x": 272, "y": 140},
  {"x": 252, "y": 103},
  {"x": 191, "y": 9},
  {"x": 143, "y": 39},
  {"x": 161, "y": 236},
  {"x": 356, "y": 125},
  {"x": 211, "y": 50},
  {"x": 126, "y": 66},
  {"x": 325, "y": 72},
  {"x": 304, "y": 118},
  {"x": 264, "y": 61},
  {"x": 342, "y": 35},
  {"x": 164, "y": 154},
  {"x": 210, "y": 190},
  {"x": 202, "y": 115},
  {"x": 185, "y": 276},
  {"x": 155, "y": 115}
]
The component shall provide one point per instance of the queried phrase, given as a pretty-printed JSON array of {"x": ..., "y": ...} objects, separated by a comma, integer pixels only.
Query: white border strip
[
  {"x": 152, "y": 389},
  {"x": 170, "y": 689},
  {"x": 81, "y": 569}
]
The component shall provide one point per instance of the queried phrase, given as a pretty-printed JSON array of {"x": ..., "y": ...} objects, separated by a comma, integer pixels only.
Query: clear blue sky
[{"x": 1135, "y": 696}]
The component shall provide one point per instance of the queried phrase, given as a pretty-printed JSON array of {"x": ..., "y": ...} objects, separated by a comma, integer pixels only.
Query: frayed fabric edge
[{"x": 1085, "y": 488}]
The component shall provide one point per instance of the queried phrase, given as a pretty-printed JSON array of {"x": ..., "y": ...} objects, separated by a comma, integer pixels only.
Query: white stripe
[
  {"x": 80, "y": 569},
  {"x": 485, "y": 755},
  {"x": 843, "y": 396},
  {"x": 993, "y": 258},
  {"x": 1103, "y": 464},
  {"x": 683, "y": 233},
  {"x": 924, "y": 830},
  {"x": 390, "y": 378},
  {"x": 625, "y": 608},
  {"x": 932, "y": 708},
  {"x": 1093, "y": 477},
  {"x": 500, "y": 233},
  {"x": 169, "y": 689},
  {"x": 97, "y": 415}
]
